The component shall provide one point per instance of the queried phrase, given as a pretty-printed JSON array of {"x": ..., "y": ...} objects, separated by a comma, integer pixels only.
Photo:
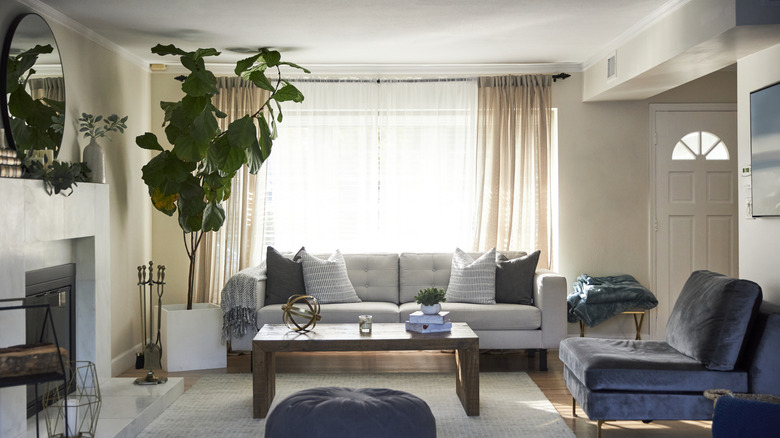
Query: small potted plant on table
[{"x": 429, "y": 300}]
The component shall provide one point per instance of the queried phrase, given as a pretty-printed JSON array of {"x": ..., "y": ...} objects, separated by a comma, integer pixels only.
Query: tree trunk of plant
[{"x": 191, "y": 280}]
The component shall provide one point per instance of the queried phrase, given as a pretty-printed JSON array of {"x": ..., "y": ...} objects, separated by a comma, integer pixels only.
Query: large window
[{"x": 373, "y": 166}]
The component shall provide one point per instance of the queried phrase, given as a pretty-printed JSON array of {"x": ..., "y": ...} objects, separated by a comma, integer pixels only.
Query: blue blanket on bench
[{"x": 596, "y": 299}]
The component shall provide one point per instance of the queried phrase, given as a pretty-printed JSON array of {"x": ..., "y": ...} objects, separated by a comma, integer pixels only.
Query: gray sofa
[
  {"x": 717, "y": 338},
  {"x": 387, "y": 284}
]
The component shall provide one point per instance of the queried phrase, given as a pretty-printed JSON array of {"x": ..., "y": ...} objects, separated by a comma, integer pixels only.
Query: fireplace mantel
[{"x": 38, "y": 231}]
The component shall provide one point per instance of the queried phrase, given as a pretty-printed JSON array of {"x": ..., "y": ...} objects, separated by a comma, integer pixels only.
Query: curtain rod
[{"x": 560, "y": 76}]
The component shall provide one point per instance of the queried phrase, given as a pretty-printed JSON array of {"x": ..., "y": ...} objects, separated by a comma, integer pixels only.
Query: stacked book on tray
[
  {"x": 435, "y": 323},
  {"x": 10, "y": 165}
]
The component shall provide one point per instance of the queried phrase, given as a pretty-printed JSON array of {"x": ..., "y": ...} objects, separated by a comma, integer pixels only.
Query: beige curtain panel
[
  {"x": 513, "y": 164},
  {"x": 227, "y": 251}
]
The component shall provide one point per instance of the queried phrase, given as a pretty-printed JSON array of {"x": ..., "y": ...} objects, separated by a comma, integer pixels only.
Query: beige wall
[
  {"x": 759, "y": 239},
  {"x": 98, "y": 81},
  {"x": 603, "y": 156}
]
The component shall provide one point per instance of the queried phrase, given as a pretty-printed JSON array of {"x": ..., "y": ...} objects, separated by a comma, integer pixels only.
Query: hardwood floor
[{"x": 550, "y": 382}]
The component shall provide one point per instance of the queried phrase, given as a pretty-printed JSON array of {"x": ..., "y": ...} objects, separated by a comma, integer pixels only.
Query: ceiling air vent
[{"x": 612, "y": 66}]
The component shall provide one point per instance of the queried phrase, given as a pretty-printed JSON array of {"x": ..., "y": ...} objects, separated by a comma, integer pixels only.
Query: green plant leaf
[
  {"x": 242, "y": 132},
  {"x": 272, "y": 57},
  {"x": 168, "y": 108},
  {"x": 288, "y": 93},
  {"x": 258, "y": 78},
  {"x": 192, "y": 106},
  {"x": 245, "y": 64},
  {"x": 213, "y": 217},
  {"x": 200, "y": 83},
  {"x": 204, "y": 127},
  {"x": 148, "y": 141},
  {"x": 186, "y": 149},
  {"x": 305, "y": 70},
  {"x": 162, "y": 202},
  {"x": 265, "y": 139},
  {"x": 169, "y": 49},
  {"x": 202, "y": 53}
]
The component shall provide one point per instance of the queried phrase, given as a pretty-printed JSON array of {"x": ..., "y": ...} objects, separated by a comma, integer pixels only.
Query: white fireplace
[{"x": 38, "y": 231}]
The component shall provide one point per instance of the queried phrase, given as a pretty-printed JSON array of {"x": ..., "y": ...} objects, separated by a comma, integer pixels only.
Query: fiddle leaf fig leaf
[
  {"x": 265, "y": 139},
  {"x": 291, "y": 64},
  {"x": 148, "y": 141},
  {"x": 162, "y": 202},
  {"x": 200, "y": 83},
  {"x": 204, "y": 128},
  {"x": 213, "y": 217},
  {"x": 170, "y": 49},
  {"x": 242, "y": 132},
  {"x": 168, "y": 108},
  {"x": 202, "y": 53},
  {"x": 288, "y": 93},
  {"x": 245, "y": 64},
  {"x": 272, "y": 57},
  {"x": 258, "y": 78},
  {"x": 193, "y": 106},
  {"x": 186, "y": 149}
]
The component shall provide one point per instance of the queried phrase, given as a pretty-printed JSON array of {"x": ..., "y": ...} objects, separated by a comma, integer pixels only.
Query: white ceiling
[{"x": 388, "y": 32}]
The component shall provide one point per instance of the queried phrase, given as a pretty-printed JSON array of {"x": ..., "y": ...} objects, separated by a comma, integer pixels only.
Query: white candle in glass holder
[
  {"x": 364, "y": 322},
  {"x": 72, "y": 413}
]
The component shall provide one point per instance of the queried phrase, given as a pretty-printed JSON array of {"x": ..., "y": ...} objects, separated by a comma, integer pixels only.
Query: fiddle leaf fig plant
[{"x": 194, "y": 177}]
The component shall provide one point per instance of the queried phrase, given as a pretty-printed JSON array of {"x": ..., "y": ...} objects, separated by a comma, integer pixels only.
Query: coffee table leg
[
  {"x": 467, "y": 378},
  {"x": 263, "y": 381}
]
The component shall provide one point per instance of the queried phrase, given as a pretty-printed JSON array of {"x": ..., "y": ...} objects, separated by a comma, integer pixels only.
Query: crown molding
[
  {"x": 657, "y": 15},
  {"x": 438, "y": 70},
  {"x": 52, "y": 14}
]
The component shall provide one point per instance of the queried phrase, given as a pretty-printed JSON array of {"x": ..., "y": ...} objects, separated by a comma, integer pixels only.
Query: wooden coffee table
[{"x": 274, "y": 338}]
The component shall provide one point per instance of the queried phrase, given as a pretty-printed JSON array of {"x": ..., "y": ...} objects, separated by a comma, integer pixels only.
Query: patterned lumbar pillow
[
  {"x": 327, "y": 280},
  {"x": 284, "y": 277},
  {"x": 472, "y": 281}
]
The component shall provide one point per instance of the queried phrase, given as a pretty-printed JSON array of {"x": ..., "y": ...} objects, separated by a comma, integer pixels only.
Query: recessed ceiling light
[{"x": 242, "y": 50}]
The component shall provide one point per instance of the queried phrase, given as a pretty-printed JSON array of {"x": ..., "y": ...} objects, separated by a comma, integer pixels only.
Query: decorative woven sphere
[{"x": 311, "y": 312}]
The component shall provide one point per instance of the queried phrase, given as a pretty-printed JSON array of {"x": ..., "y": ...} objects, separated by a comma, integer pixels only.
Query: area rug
[{"x": 511, "y": 405}]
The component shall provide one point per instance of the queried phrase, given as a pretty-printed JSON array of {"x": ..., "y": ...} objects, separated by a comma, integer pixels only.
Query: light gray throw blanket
[{"x": 239, "y": 302}]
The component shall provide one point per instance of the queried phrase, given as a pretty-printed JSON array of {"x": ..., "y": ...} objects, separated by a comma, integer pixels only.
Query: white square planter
[{"x": 192, "y": 339}]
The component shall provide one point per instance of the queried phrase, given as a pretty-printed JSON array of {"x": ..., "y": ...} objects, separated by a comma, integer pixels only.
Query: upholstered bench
[
  {"x": 346, "y": 413},
  {"x": 715, "y": 338}
]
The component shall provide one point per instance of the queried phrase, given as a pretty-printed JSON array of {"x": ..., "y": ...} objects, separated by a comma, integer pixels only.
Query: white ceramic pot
[
  {"x": 192, "y": 339},
  {"x": 430, "y": 310}
]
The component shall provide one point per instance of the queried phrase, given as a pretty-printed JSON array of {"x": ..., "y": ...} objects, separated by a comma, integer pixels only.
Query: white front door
[{"x": 695, "y": 197}]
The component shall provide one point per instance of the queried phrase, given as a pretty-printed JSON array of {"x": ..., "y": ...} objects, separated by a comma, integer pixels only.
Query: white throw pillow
[
  {"x": 472, "y": 281},
  {"x": 327, "y": 280}
]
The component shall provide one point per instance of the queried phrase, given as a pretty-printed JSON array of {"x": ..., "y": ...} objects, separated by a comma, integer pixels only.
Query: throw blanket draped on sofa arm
[{"x": 240, "y": 300}]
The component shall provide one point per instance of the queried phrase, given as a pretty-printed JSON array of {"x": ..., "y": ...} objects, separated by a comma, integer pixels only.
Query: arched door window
[{"x": 700, "y": 144}]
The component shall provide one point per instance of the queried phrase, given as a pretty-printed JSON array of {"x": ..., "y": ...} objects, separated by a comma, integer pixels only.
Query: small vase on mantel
[{"x": 95, "y": 159}]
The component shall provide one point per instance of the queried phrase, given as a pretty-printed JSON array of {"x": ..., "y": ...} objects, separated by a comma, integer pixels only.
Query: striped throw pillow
[
  {"x": 327, "y": 280},
  {"x": 472, "y": 281}
]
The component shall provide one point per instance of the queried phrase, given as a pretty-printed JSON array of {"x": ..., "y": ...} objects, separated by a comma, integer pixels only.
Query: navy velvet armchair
[{"x": 716, "y": 337}]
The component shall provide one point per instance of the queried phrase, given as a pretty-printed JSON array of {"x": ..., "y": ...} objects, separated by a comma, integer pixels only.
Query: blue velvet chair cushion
[
  {"x": 711, "y": 317},
  {"x": 735, "y": 417},
  {"x": 642, "y": 366}
]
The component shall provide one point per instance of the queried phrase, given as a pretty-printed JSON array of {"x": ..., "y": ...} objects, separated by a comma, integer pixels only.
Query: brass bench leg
[
  {"x": 600, "y": 423},
  {"x": 638, "y": 325}
]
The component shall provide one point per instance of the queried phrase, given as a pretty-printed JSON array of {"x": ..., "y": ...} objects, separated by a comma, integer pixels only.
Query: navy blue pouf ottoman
[{"x": 347, "y": 412}]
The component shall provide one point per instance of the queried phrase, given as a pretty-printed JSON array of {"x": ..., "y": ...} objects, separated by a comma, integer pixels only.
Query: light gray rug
[{"x": 511, "y": 405}]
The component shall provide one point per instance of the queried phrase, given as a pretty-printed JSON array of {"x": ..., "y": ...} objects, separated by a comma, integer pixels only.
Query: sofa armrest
[{"x": 550, "y": 298}]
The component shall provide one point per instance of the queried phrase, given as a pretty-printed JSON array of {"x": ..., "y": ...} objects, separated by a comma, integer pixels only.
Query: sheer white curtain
[
  {"x": 364, "y": 165},
  {"x": 513, "y": 164}
]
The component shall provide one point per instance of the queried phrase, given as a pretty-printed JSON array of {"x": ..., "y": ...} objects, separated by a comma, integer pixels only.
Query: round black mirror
[{"x": 33, "y": 104}]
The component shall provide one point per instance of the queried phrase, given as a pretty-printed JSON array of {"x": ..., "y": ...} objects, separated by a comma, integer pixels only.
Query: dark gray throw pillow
[
  {"x": 515, "y": 279},
  {"x": 284, "y": 277},
  {"x": 710, "y": 320}
]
